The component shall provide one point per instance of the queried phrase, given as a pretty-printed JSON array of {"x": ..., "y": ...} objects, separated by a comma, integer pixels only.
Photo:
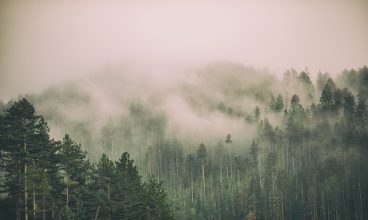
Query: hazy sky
[{"x": 45, "y": 42}]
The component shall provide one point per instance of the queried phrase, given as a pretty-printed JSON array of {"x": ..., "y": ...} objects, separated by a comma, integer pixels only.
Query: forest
[{"x": 229, "y": 141}]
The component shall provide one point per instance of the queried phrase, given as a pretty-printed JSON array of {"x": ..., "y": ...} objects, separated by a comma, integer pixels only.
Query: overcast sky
[{"x": 45, "y": 42}]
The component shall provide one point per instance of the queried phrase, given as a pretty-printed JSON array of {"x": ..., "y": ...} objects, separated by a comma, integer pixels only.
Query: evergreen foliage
[{"x": 45, "y": 179}]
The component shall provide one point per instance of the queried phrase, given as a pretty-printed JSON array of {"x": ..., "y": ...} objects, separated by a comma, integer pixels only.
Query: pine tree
[
  {"x": 279, "y": 103},
  {"x": 127, "y": 198},
  {"x": 101, "y": 188},
  {"x": 327, "y": 96},
  {"x": 158, "y": 206},
  {"x": 74, "y": 167},
  {"x": 24, "y": 141}
]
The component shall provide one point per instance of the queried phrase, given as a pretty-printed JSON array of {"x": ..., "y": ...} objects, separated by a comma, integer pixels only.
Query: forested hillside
[
  {"x": 222, "y": 143},
  {"x": 46, "y": 179}
]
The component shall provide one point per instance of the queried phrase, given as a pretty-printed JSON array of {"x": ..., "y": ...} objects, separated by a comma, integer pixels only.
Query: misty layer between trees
[{"x": 226, "y": 142}]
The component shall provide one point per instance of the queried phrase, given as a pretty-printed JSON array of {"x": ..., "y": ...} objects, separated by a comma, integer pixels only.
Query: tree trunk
[
  {"x": 34, "y": 201},
  {"x": 282, "y": 206},
  {"x": 231, "y": 164},
  {"x": 53, "y": 210},
  {"x": 159, "y": 165},
  {"x": 67, "y": 190},
  {"x": 239, "y": 189},
  {"x": 191, "y": 183},
  {"x": 97, "y": 211},
  {"x": 44, "y": 208},
  {"x": 25, "y": 188},
  {"x": 360, "y": 202},
  {"x": 25, "y": 194},
  {"x": 238, "y": 172},
  {"x": 259, "y": 172},
  {"x": 203, "y": 179},
  {"x": 108, "y": 191},
  {"x": 323, "y": 206},
  {"x": 17, "y": 205},
  {"x": 221, "y": 171}
]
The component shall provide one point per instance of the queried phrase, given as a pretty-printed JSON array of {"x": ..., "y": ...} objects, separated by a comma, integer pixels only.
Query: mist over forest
[
  {"x": 243, "y": 133},
  {"x": 228, "y": 109},
  {"x": 203, "y": 105}
]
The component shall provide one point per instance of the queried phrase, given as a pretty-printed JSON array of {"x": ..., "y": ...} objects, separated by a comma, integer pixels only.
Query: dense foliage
[{"x": 47, "y": 179}]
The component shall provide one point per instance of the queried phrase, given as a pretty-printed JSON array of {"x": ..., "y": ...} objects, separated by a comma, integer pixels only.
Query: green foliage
[
  {"x": 201, "y": 152},
  {"x": 27, "y": 155},
  {"x": 157, "y": 202},
  {"x": 55, "y": 180}
]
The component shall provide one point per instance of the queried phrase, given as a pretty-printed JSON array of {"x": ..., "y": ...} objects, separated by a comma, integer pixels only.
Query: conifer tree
[
  {"x": 24, "y": 140},
  {"x": 75, "y": 168}
]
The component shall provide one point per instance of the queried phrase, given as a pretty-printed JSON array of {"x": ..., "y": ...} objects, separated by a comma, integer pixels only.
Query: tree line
[
  {"x": 46, "y": 179},
  {"x": 312, "y": 165}
]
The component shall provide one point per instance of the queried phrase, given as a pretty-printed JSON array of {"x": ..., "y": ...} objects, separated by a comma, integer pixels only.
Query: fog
[
  {"x": 120, "y": 108},
  {"x": 192, "y": 70},
  {"x": 45, "y": 42}
]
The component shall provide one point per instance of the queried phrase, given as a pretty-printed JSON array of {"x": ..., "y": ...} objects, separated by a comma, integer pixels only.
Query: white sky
[{"x": 44, "y": 42}]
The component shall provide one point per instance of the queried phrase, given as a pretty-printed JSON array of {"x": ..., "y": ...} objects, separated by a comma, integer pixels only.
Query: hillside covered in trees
[
  {"x": 226, "y": 141},
  {"x": 47, "y": 179}
]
